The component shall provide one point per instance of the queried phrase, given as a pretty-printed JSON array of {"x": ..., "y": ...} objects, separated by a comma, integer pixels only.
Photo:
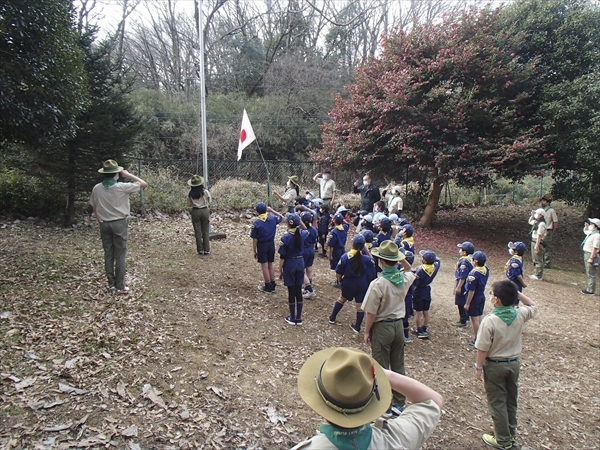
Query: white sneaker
[
  {"x": 307, "y": 294},
  {"x": 124, "y": 291},
  {"x": 534, "y": 277}
]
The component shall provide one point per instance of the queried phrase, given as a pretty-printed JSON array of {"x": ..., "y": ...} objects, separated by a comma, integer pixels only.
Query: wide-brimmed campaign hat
[
  {"x": 196, "y": 180},
  {"x": 388, "y": 251},
  {"x": 294, "y": 179},
  {"x": 345, "y": 386},
  {"x": 110, "y": 166}
]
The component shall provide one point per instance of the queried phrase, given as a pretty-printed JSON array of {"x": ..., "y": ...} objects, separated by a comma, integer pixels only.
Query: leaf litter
[{"x": 204, "y": 351}]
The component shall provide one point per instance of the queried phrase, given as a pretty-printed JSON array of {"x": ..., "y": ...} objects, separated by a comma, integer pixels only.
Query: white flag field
[{"x": 246, "y": 135}]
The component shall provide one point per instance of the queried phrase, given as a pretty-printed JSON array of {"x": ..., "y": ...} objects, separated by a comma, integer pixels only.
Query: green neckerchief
[
  {"x": 393, "y": 275},
  {"x": 507, "y": 313},
  {"x": 587, "y": 237},
  {"x": 109, "y": 182},
  {"x": 348, "y": 438}
]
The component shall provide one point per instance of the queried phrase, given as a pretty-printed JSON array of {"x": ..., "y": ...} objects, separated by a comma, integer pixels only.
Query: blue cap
[
  {"x": 408, "y": 230},
  {"x": 519, "y": 247},
  {"x": 402, "y": 221},
  {"x": 428, "y": 256},
  {"x": 261, "y": 208},
  {"x": 385, "y": 222},
  {"x": 479, "y": 257},
  {"x": 378, "y": 216},
  {"x": 410, "y": 256},
  {"x": 467, "y": 246},
  {"x": 293, "y": 220},
  {"x": 338, "y": 218},
  {"x": 368, "y": 234},
  {"x": 359, "y": 239},
  {"x": 306, "y": 216}
]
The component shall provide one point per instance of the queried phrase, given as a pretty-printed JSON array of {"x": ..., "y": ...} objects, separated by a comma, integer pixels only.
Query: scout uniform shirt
[
  {"x": 112, "y": 203},
  {"x": 408, "y": 431},
  {"x": 499, "y": 339},
  {"x": 265, "y": 227},
  {"x": 514, "y": 268},
  {"x": 201, "y": 202},
  {"x": 476, "y": 281},
  {"x": 464, "y": 266},
  {"x": 385, "y": 300},
  {"x": 326, "y": 188}
]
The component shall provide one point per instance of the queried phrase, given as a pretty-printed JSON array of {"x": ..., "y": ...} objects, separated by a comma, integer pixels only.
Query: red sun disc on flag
[{"x": 243, "y": 136}]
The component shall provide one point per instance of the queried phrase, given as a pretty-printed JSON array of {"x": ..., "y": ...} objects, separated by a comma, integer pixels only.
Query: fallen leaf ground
[{"x": 197, "y": 357}]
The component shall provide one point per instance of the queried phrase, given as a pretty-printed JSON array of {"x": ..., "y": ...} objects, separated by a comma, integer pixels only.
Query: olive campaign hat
[
  {"x": 196, "y": 180},
  {"x": 345, "y": 386},
  {"x": 388, "y": 251},
  {"x": 110, "y": 166}
]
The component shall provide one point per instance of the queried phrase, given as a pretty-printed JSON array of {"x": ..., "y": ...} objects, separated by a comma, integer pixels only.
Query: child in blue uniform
[
  {"x": 385, "y": 232},
  {"x": 336, "y": 241},
  {"x": 309, "y": 254},
  {"x": 263, "y": 243},
  {"x": 323, "y": 228},
  {"x": 514, "y": 266},
  {"x": 351, "y": 273},
  {"x": 476, "y": 282},
  {"x": 405, "y": 238},
  {"x": 464, "y": 266},
  {"x": 371, "y": 269},
  {"x": 408, "y": 299},
  {"x": 422, "y": 290},
  {"x": 291, "y": 266}
]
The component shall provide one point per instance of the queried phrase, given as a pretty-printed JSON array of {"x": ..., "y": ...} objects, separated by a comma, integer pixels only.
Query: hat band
[
  {"x": 384, "y": 255},
  {"x": 345, "y": 408}
]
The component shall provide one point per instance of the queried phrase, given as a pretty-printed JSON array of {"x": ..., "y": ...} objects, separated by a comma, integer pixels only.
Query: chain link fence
[{"x": 169, "y": 177}]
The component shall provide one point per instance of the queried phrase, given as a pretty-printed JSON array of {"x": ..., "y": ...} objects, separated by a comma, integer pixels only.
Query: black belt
[
  {"x": 390, "y": 320},
  {"x": 506, "y": 360},
  {"x": 327, "y": 198}
]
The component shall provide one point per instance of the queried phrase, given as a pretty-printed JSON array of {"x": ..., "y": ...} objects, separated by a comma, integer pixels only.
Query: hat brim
[
  {"x": 375, "y": 252},
  {"x": 307, "y": 387},
  {"x": 195, "y": 184},
  {"x": 118, "y": 169}
]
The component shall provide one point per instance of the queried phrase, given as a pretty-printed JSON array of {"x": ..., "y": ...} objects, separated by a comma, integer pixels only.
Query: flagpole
[{"x": 200, "y": 26}]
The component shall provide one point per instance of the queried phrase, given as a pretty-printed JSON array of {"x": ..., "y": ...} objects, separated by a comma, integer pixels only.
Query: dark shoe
[
  {"x": 583, "y": 291},
  {"x": 459, "y": 324},
  {"x": 266, "y": 289},
  {"x": 336, "y": 285},
  {"x": 332, "y": 321},
  {"x": 298, "y": 322},
  {"x": 423, "y": 335},
  {"x": 471, "y": 343},
  {"x": 356, "y": 330},
  {"x": 290, "y": 321}
]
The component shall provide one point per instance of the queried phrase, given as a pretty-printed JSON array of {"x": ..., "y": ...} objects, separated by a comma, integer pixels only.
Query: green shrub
[
  {"x": 166, "y": 192},
  {"x": 233, "y": 193},
  {"x": 29, "y": 196}
]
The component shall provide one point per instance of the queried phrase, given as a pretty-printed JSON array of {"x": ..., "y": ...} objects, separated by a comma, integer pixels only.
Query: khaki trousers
[
  {"x": 114, "y": 241},
  {"x": 387, "y": 348},
  {"x": 501, "y": 381}
]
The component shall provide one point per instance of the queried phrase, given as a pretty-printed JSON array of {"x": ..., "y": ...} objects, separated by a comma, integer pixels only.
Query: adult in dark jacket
[{"x": 369, "y": 193}]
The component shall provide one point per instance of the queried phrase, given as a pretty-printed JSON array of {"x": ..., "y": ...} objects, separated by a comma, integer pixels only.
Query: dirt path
[{"x": 218, "y": 361}]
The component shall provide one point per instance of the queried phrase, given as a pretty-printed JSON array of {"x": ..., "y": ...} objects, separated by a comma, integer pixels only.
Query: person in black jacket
[{"x": 369, "y": 193}]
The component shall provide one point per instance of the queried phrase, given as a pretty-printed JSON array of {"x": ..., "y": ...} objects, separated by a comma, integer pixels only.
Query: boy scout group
[{"x": 362, "y": 397}]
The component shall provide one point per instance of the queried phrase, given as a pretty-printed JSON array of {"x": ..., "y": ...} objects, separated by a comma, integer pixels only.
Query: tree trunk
[{"x": 432, "y": 202}]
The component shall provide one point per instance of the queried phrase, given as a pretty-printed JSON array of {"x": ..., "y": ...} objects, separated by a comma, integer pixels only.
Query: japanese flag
[{"x": 246, "y": 135}]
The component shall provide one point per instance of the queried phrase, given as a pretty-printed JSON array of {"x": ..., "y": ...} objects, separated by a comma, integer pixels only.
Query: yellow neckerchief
[
  {"x": 409, "y": 240},
  {"x": 369, "y": 245},
  {"x": 468, "y": 258},
  {"x": 340, "y": 227},
  {"x": 428, "y": 268},
  {"x": 511, "y": 258},
  {"x": 352, "y": 253},
  {"x": 482, "y": 270},
  {"x": 292, "y": 230},
  {"x": 263, "y": 217}
]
